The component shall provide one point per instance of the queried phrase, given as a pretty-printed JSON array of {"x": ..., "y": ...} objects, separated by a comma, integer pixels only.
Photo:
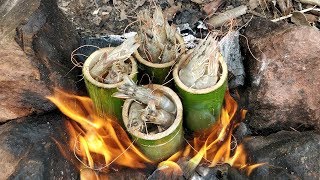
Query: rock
[
  {"x": 219, "y": 172},
  {"x": 190, "y": 15},
  {"x": 12, "y": 13},
  {"x": 288, "y": 154},
  {"x": 51, "y": 38},
  {"x": 284, "y": 76},
  {"x": 22, "y": 92},
  {"x": 28, "y": 150},
  {"x": 230, "y": 50}
]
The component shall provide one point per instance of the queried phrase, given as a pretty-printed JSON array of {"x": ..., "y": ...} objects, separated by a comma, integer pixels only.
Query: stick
[
  {"x": 220, "y": 19},
  {"x": 312, "y": 2},
  {"x": 285, "y": 17}
]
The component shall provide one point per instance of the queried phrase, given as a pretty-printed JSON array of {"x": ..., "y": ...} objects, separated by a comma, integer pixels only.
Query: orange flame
[
  {"x": 215, "y": 144},
  {"x": 98, "y": 141}
]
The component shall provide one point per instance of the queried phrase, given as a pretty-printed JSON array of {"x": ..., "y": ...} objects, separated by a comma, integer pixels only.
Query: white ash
[
  {"x": 184, "y": 27},
  {"x": 190, "y": 40},
  {"x": 119, "y": 38},
  {"x": 202, "y": 25}
]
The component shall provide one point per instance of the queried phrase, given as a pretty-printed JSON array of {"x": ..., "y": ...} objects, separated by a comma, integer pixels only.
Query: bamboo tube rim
[
  {"x": 177, "y": 121},
  {"x": 161, "y": 65},
  {"x": 182, "y": 62},
  {"x": 93, "y": 58}
]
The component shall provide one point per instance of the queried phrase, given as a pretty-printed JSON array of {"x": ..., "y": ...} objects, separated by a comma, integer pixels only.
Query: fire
[
  {"x": 99, "y": 142},
  {"x": 215, "y": 145}
]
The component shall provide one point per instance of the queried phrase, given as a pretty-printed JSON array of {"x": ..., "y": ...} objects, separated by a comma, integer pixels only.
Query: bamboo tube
[
  {"x": 158, "y": 72},
  {"x": 159, "y": 146},
  {"x": 201, "y": 106},
  {"x": 101, "y": 93}
]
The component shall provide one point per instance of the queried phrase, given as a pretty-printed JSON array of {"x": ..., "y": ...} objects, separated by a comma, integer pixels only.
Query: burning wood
[{"x": 111, "y": 66}]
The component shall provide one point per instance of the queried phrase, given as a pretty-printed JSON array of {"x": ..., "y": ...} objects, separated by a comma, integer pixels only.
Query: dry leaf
[
  {"x": 311, "y": 18},
  {"x": 312, "y": 2},
  {"x": 212, "y": 7},
  {"x": 197, "y": 1},
  {"x": 253, "y": 4},
  {"x": 123, "y": 14},
  {"x": 95, "y": 12},
  {"x": 285, "y": 6},
  {"x": 170, "y": 2},
  {"x": 201, "y": 1},
  {"x": 300, "y": 19},
  {"x": 170, "y": 12}
]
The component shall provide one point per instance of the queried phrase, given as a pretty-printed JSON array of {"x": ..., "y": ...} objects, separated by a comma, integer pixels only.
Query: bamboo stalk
[
  {"x": 101, "y": 93},
  {"x": 158, "y": 73},
  {"x": 159, "y": 146},
  {"x": 201, "y": 106},
  {"x": 160, "y": 46}
]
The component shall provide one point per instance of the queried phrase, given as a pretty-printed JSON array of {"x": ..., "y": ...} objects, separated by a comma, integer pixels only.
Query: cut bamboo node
[
  {"x": 101, "y": 93},
  {"x": 201, "y": 106},
  {"x": 160, "y": 145}
]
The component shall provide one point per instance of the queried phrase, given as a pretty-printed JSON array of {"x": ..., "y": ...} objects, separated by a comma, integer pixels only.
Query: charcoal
[
  {"x": 287, "y": 154},
  {"x": 28, "y": 150}
]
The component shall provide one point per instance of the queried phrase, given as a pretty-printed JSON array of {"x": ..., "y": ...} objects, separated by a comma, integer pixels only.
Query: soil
[{"x": 105, "y": 17}]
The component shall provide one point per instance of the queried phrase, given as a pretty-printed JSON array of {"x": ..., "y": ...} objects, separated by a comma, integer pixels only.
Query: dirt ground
[{"x": 101, "y": 17}]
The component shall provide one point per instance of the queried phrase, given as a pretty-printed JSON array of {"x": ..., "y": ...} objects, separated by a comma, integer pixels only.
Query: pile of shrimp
[
  {"x": 157, "y": 37},
  {"x": 152, "y": 112},
  {"x": 202, "y": 70},
  {"x": 113, "y": 65}
]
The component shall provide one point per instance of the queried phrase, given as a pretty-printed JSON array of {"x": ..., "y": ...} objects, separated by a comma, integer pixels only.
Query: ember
[{"x": 98, "y": 143}]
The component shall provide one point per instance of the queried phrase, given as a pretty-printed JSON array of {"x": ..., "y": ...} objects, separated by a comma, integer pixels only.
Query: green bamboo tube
[
  {"x": 158, "y": 147},
  {"x": 159, "y": 73},
  {"x": 202, "y": 107},
  {"x": 101, "y": 93}
]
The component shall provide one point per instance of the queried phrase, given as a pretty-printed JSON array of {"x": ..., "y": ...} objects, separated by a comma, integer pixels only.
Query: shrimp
[
  {"x": 203, "y": 66},
  {"x": 157, "y": 116},
  {"x": 116, "y": 72},
  {"x": 144, "y": 95},
  {"x": 157, "y": 37},
  {"x": 119, "y": 53},
  {"x": 140, "y": 116}
]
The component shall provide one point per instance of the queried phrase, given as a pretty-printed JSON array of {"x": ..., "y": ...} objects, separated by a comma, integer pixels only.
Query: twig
[
  {"x": 220, "y": 19},
  {"x": 285, "y": 17},
  {"x": 312, "y": 2}
]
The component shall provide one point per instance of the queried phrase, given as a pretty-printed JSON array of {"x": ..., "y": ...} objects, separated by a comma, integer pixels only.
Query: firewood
[{"x": 219, "y": 20}]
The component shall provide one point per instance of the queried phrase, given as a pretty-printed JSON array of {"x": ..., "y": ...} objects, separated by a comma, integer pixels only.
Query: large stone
[
  {"x": 29, "y": 74},
  {"x": 22, "y": 92},
  {"x": 287, "y": 154},
  {"x": 284, "y": 76},
  {"x": 51, "y": 38},
  {"x": 28, "y": 150},
  {"x": 12, "y": 13}
]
